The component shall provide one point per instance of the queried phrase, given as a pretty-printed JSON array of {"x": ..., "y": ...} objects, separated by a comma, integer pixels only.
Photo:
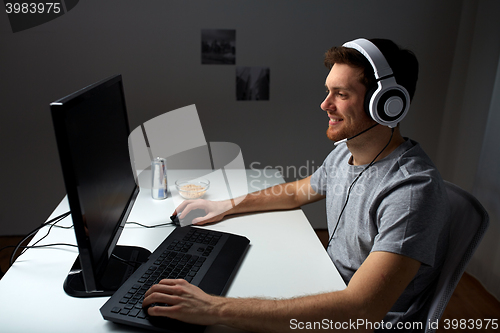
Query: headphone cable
[{"x": 352, "y": 185}]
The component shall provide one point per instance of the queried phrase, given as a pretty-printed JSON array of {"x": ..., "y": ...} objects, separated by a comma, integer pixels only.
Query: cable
[
  {"x": 352, "y": 185},
  {"x": 132, "y": 263},
  {"x": 18, "y": 246},
  {"x": 52, "y": 224},
  {"x": 47, "y": 245},
  {"x": 32, "y": 247},
  {"x": 152, "y": 226},
  {"x": 57, "y": 219}
]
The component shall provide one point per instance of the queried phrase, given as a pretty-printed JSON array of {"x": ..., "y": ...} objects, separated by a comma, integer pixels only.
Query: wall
[
  {"x": 470, "y": 92},
  {"x": 155, "y": 45},
  {"x": 469, "y": 150},
  {"x": 485, "y": 264}
]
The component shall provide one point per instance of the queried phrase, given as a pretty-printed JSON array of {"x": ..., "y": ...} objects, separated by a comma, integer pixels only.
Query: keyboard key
[
  {"x": 142, "y": 314},
  {"x": 134, "y": 312}
]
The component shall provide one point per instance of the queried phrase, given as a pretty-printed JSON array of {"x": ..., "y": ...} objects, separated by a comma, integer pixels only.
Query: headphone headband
[{"x": 380, "y": 66}]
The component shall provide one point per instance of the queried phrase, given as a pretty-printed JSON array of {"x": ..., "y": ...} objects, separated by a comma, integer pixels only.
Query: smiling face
[{"x": 344, "y": 102}]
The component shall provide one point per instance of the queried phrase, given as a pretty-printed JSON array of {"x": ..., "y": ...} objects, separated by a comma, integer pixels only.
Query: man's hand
[
  {"x": 214, "y": 210},
  {"x": 186, "y": 302}
]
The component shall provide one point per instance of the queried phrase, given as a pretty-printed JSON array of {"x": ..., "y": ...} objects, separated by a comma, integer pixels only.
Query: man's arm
[
  {"x": 372, "y": 291},
  {"x": 279, "y": 197}
]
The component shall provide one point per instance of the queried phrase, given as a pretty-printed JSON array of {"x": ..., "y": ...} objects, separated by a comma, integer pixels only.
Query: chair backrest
[{"x": 469, "y": 221}]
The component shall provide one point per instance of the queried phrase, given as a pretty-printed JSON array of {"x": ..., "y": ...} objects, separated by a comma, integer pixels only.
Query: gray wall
[
  {"x": 469, "y": 149},
  {"x": 155, "y": 45}
]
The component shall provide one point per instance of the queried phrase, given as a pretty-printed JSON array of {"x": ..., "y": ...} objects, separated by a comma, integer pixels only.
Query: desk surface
[{"x": 285, "y": 259}]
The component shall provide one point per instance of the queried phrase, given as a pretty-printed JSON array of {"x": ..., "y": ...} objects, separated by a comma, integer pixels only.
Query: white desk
[{"x": 285, "y": 259}]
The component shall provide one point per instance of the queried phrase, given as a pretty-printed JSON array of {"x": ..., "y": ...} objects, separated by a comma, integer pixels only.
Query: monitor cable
[
  {"x": 133, "y": 263},
  {"x": 168, "y": 224},
  {"x": 53, "y": 223}
]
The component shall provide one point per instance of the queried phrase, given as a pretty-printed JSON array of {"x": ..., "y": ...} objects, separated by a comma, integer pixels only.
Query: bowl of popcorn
[{"x": 192, "y": 188}]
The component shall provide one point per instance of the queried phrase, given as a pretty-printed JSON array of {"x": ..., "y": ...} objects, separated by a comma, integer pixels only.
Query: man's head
[{"x": 346, "y": 109}]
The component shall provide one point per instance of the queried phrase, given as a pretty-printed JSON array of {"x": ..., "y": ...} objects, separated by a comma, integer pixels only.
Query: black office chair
[{"x": 469, "y": 221}]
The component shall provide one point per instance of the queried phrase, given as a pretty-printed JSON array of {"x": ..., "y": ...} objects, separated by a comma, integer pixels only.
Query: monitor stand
[{"x": 116, "y": 273}]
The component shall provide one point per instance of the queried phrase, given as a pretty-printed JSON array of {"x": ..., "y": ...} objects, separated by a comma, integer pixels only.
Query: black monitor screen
[{"x": 92, "y": 131}]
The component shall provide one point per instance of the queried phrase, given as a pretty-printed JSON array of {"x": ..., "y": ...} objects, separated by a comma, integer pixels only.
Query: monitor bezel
[{"x": 91, "y": 269}]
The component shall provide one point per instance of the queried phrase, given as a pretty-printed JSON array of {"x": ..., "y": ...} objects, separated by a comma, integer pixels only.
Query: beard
[
  {"x": 335, "y": 135},
  {"x": 348, "y": 131}
]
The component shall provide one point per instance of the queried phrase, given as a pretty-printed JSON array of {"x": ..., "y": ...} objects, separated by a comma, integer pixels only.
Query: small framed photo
[
  {"x": 218, "y": 47},
  {"x": 252, "y": 83}
]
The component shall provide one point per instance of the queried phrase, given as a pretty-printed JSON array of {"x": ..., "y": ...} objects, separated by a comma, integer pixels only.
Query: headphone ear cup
[
  {"x": 368, "y": 96},
  {"x": 389, "y": 103}
]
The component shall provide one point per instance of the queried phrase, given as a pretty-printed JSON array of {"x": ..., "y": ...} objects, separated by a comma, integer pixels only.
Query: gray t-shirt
[{"x": 398, "y": 205}]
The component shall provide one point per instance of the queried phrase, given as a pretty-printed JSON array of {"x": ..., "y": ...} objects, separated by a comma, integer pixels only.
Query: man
[{"x": 386, "y": 208}]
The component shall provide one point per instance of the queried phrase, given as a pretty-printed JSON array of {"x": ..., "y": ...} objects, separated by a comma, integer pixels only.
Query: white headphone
[{"x": 388, "y": 102}]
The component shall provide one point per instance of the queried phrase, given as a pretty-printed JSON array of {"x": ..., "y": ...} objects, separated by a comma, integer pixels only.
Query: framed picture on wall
[
  {"x": 252, "y": 83},
  {"x": 218, "y": 47}
]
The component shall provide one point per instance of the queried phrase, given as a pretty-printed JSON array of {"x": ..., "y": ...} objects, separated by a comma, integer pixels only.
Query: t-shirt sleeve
[
  {"x": 319, "y": 180},
  {"x": 410, "y": 217}
]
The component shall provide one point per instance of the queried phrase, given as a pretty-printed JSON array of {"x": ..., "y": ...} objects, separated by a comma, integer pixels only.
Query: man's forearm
[
  {"x": 264, "y": 200},
  {"x": 262, "y": 315},
  {"x": 279, "y": 197},
  {"x": 190, "y": 304}
]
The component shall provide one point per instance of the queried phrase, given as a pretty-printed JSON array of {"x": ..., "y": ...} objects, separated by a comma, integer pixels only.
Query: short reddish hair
[{"x": 403, "y": 62}]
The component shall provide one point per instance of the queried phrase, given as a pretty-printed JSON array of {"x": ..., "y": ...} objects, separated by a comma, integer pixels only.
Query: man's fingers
[
  {"x": 163, "y": 311},
  {"x": 167, "y": 286},
  {"x": 188, "y": 206},
  {"x": 160, "y": 298},
  {"x": 168, "y": 292},
  {"x": 181, "y": 207},
  {"x": 180, "y": 300}
]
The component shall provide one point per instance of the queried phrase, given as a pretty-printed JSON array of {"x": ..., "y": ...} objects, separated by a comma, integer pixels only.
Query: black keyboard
[{"x": 202, "y": 257}]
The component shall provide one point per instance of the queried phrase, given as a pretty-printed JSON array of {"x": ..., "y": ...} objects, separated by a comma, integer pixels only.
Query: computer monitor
[{"x": 91, "y": 129}]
